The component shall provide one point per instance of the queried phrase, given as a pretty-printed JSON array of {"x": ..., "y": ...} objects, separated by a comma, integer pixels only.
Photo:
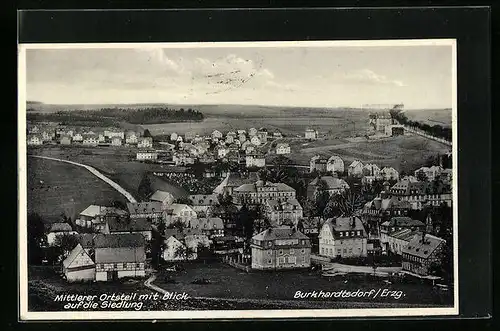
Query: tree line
[
  {"x": 434, "y": 130},
  {"x": 109, "y": 116}
]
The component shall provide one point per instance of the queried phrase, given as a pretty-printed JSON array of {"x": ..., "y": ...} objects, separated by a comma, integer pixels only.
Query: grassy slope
[{"x": 65, "y": 189}]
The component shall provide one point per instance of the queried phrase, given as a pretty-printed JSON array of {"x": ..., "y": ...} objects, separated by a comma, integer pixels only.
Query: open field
[
  {"x": 228, "y": 282},
  {"x": 430, "y": 116},
  {"x": 404, "y": 153},
  {"x": 116, "y": 163},
  {"x": 55, "y": 188}
]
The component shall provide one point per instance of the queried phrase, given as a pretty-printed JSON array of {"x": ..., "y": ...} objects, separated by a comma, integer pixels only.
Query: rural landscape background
[
  {"x": 241, "y": 175},
  {"x": 340, "y": 125}
]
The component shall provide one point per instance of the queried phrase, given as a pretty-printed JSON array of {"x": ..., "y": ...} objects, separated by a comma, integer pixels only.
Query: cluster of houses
[
  {"x": 239, "y": 146},
  {"x": 384, "y": 123},
  {"x": 86, "y": 137},
  {"x": 118, "y": 244},
  {"x": 369, "y": 172}
]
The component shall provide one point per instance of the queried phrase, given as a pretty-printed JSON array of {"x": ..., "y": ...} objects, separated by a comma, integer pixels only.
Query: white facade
[
  {"x": 172, "y": 247},
  {"x": 78, "y": 266},
  {"x": 255, "y": 141},
  {"x": 344, "y": 242},
  {"x": 311, "y": 134},
  {"x": 217, "y": 134},
  {"x": 90, "y": 141},
  {"x": 283, "y": 149},
  {"x": 34, "y": 141},
  {"x": 334, "y": 164},
  {"x": 146, "y": 155},
  {"x": 355, "y": 169},
  {"x": 131, "y": 138},
  {"x": 116, "y": 141},
  {"x": 255, "y": 161},
  {"x": 389, "y": 173}
]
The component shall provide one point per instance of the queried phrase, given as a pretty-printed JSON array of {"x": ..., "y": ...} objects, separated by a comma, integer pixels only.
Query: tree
[
  {"x": 184, "y": 252},
  {"x": 118, "y": 204},
  {"x": 332, "y": 208},
  {"x": 36, "y": 236},
  {"x": 66, "y": 243},
  {"x": 157, "y": 243},
  {"x": 183, "y": 200},
  {"x": 421, "y": 176},
  {"x": 144, "y": 189},
  {"x": 350, "y": 202}
]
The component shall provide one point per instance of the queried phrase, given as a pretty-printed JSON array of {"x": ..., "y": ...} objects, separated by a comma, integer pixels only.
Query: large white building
[{"x": 343, "y": 237}]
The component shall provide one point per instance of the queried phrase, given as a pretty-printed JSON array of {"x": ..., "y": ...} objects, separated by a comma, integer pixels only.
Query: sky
[{"x": 418, "y": 76}]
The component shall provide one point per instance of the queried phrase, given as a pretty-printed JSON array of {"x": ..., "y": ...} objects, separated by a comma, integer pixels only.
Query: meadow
[
  {"x": 55, "y": 188},
  {"x": 404, "y": 153},
  {"x": 118, "y": 164},
  {"x": 228, "y": 282}
]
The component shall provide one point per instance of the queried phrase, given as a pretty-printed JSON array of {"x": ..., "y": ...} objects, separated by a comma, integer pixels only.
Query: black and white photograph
[{"x": 238, "y": 179}]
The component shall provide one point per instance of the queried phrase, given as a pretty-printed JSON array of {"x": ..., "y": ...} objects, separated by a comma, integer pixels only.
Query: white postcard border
[{"x": 26, "y": 315}]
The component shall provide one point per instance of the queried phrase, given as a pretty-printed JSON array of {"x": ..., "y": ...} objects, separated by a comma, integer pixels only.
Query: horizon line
[{"x": 230, "y": 104}]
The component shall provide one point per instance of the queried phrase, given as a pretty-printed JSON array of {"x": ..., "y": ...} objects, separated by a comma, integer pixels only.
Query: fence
[{"x": 237, "y": 262}]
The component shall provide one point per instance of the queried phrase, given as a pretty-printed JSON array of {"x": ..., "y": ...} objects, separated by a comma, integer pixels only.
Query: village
[{"x": 266, "y": 212}]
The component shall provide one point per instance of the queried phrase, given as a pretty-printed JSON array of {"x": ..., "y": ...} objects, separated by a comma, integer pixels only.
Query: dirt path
[{"x": 99, "y": 175}]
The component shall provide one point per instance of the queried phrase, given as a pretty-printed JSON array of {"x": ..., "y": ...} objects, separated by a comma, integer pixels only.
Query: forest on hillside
[{"x": 110, "y": 116}]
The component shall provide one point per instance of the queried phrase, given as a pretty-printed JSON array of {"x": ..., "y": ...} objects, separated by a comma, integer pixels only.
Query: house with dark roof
[
  {"x": 383, "y": 207},
  {"x": 165, "y": 198},
  {"x": 127, "y": 225},
  {"x": 183, "y": 244},
  {"x": 355, "y": 169},
  {"x": 119, "y": 255},
  {"x": 406, "y": 187},
  {"x": 209, "y": 226},
  {"x": 152, "y": 210},
  {"x": 343, "y": 237},
  {"x": 330, "y": 184},
  {"x": 318, "y": 163},
  {"x": 335, "y": 164},
  {"x": 262, "y": 191},
  {"x": 396, "y": 241},
  {"x": 284, "y": 212},
  {"x": 280, "y": 248},
  {"x": 422, "y": 253},
  {"x": 58, "y": 229},
  {"x": 401, "y": 222}
]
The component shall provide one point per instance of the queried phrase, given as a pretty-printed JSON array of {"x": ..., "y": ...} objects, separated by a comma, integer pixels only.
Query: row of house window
[
  {"x": 120, "y": 266},
  {"x": 288, "y": 260},
  {"x": 330, "y": 251},
  {"x": 353, "y": 233}
]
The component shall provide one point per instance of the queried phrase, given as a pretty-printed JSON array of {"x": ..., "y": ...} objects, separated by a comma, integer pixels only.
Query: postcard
[{"x": 238, "y": 180}]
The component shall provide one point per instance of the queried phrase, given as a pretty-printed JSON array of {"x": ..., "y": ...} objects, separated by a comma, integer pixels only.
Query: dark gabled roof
[
  {"x": 403, "y": 221},
  {"x": 344, "y": 224},
  {"x": 179, "y": 235},
  {"x": 331, "y": 182},
  {"x": 130, "y": 225},
  {"x": 280, "y": 233},
  {"x": 60, "y": 227},
  {"x": 144, "y": 207},
  {"x": 87, "y": 239},
  {"x": 119, "y": 240},
  {"x": 203, "y": 199},
  {"x": 423, "y": 249}
]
